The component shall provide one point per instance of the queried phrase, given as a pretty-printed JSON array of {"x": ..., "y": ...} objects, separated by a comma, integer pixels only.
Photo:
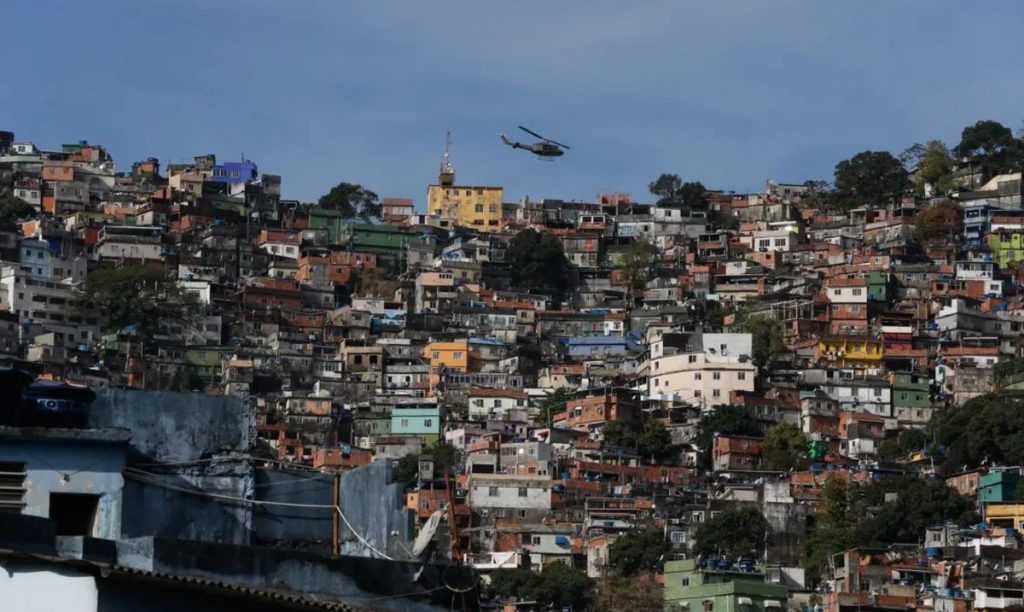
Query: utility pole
[{"x": 336, "y": 516}]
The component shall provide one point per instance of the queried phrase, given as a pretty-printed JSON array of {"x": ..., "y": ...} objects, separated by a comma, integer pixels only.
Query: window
[
  {"x": 857, "y": 291},
  {"x": 716, "y": 376},
  {"x": 521, "y": 514},
  {"x": 479, "y": 208},
  {"x": 677, "y": 538},
  {"x": 436, "y": 355},
  {"x": 741, "y": 376},
  {"x": 12, "y": 486},
  {"x": 691, "y": 359},
  {"x": 73, "y": 513},
  {"x": 357, "y": 359},
  {"x": 492, "y": 491},
  {"x": 716, "y": 393},
  {"x": 428, "y": 422},
  {"x": 522, "y": 491},
  {"x": 404, "y": 422},
  {"x": 497, "y": 403},
  {"x": 696, "y": 375},
  {"x": 458, "y": 354}
]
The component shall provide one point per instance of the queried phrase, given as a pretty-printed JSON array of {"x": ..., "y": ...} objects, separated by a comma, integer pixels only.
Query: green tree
[
  {"x": 694, "y": 195},
  {"x": 671, "y": 190},
  {"x": 655, "y": 441},
  {"x": 987, "y": 138},
  {"x": 934, "y": 164},
  {"x": 833, "y": 532},
  {"x": 406, "y": 470},
  {"x": 13, "y": 208},
  {"x": 987, "y": 430},
  {"x": 538, "y": 263},
  {"x": 619, "y": 593},
  {"x": 642, "y": 549},
  {"x": 725, "y": 420},
  {"x": 617, "y": 433},
  {"x": 557, "y": 585},
  {"x": 668, "y": 188},
  {"x": 907, "y": 441},
  {"x": 137, "y": 296},
  {"x": 994, "y": 143},
  {"x": 784, "y": 448},
  {"x": 765, "y": 336},
  {"x": 919, "y": 503},
  {"x": 446, "y": 459},
  {"x": 819, "y": 195},
  {"x": 941, "y": 223},
  {"x": 553, "y": 404},
  {"x": 352, "y": 201},
  {"x": 637, "y": 264},
  {"x": 870, "y": 177},
  {"x": 738, "y": 531}
]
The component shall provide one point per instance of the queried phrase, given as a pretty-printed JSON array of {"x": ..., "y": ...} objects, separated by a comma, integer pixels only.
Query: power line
[{"x": 153, "y": 479}]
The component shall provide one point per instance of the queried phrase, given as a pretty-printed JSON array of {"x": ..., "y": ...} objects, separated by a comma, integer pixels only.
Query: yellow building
[
  {"x": 472, "y": 206},
  {"x": 1004, "y": 514},
  {"x": 451, "y": 356},
  {"x": 849, "y": 351}
]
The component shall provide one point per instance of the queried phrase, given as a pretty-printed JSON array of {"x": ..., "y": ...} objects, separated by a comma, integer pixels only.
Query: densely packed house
[{"x": 542, "y": 378}]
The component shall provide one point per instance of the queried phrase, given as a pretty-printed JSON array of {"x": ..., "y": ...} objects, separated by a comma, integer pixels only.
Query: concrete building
[
  {"x": 71, "y": 476},
  {"x": 720, "y": 586},
  {"x": 506, "y": 496}
]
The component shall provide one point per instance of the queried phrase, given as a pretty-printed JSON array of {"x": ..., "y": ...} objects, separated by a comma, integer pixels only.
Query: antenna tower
[{"x": 446, "y": 161}]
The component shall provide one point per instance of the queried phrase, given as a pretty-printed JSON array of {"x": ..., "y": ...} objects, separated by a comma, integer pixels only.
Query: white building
[
  {"x": 485, "y": 404},
  {"x": 705, "y": 375},
  {"x": 509, "y": 496}
]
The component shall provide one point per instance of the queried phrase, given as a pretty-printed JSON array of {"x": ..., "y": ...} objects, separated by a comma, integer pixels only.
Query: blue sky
[{"x": 319, "y": 91}]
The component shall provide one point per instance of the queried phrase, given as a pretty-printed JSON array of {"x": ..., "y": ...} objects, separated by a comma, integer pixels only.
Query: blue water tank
[
  {"x": 562, "y": 540},
  {"x": 933, "y": 551}
]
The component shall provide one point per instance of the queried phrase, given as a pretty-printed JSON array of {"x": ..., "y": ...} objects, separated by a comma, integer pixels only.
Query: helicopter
[{"x": 545, "y": 149}]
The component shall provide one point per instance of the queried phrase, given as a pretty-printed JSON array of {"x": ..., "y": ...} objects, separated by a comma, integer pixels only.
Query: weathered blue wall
[
  {"x": 169, "y": 426},
  {"x": 309, "y": 526},
  {"x": 154, "y": 510},
  {"x": 375, "y": 506},
  {"x": 64, "y": 466}
]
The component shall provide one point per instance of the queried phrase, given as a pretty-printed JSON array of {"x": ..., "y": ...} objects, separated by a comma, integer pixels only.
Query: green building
[
  {"x": 693, "y": 588},
  {"x": 998, "y": 486},
  {"x": 205, "y": 361},
  {"x": 337, "y": 226},
  {"x": 380, "y": 239},
  {"x": 422, "y": 421},
  {"x": 1007, "y": 246},
  {"x": 878, "y": 286},
  {"x": 910, "y": 390}
]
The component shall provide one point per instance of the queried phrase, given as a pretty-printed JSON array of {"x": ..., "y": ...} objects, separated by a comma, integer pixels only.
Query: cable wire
[{"x": 153, "y": 479}]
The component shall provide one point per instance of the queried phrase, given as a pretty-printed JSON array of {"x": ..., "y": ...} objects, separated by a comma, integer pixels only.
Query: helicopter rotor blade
[{"x": 532, "y": 133}]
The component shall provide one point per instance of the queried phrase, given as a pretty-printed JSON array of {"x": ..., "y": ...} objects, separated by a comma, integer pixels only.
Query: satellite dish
[{"x": 460, "y": 578}]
